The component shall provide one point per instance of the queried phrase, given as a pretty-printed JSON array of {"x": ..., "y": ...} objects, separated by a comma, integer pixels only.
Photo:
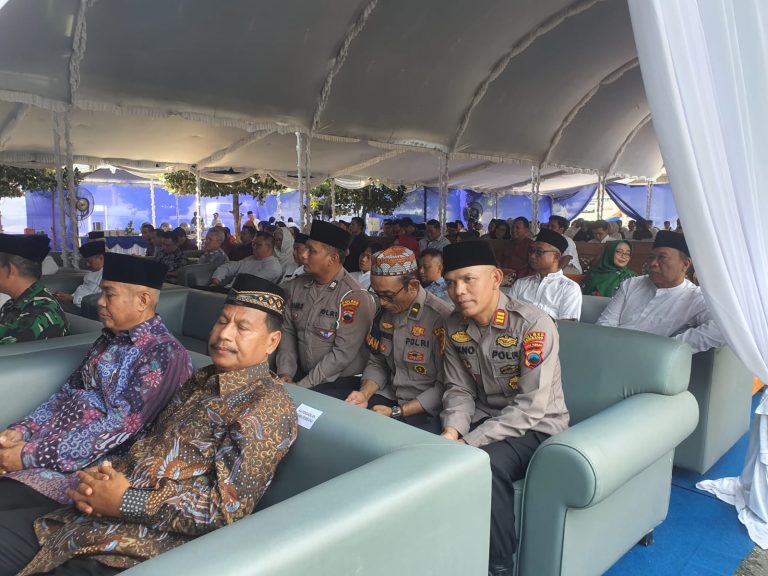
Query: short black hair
[
  {"x": 249, "y": 212},
  {"x": 431, "y": 252},
  {"x": 434, "y": 223},
  {"x": 359, "y": 221},
  {"x": 524, "y": 220},
  {"x": 561, "y": 221},
  {"x": 26, "y": 267},
  {"x": 601, "y": 224},
  {"x": 274, "y": 323},
  {"x": 267, "y": 236}
]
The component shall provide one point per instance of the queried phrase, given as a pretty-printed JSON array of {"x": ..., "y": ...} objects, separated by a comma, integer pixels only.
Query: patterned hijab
[{"x": 607, "y": 277}]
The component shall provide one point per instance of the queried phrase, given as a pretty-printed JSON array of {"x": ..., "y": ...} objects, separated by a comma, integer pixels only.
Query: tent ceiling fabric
[{"x": 500, "y": 85}]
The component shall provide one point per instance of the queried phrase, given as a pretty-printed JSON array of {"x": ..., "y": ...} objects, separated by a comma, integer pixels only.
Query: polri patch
[
  {"x": 420, "y": 369},
  {"x": 348, "y": 310},
  {"x": 415, "y": 356},
  {"x": 461, "y": 336},
  {"x": 418, "y": 331},
  {"x": 533, "y": 347},
  {"x": 387, "y": 325},
  {"x": 506, "y": 341}
]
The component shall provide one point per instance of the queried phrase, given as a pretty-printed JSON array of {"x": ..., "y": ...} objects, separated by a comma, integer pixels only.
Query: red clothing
[
  {"x": 516, "y": 257},
  {"x": 408, "y": 242}
]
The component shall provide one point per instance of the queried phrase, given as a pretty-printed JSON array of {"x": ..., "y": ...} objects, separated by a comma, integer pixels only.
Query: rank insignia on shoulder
[
  {"x": 461, "y": 336},
  {"x": 418, "y": 331},
  {"x": 500, "y": 318},
  {"x": 333, "y": 285},
  {"x": 415, "y": 309},
  {"x": 506, "y": 341},
  {"x": 420, "y": 369},
  {"x": 415, "y": 356},
  {"x": 513, "y": 382},
  {"x": 387, "y": 325}
]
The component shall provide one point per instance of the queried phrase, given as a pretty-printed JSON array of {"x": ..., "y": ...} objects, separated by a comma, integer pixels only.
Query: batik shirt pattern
[
  {"x": 35, "y": 315},
  {"x": 205, "y": 463},
  {"x": 122, "y": 385}
]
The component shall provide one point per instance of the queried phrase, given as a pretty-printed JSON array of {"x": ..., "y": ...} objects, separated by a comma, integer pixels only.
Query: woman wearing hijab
[
  {"x": 284, "y": 251},
  {"x": 612, "y": 270}
]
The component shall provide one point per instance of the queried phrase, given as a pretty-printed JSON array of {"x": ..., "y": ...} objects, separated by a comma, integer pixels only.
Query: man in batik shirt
[
  {"x": 130, "y": 373},
  {"x": 32, "y": 313},
  {"x": 206, "y": 462}
]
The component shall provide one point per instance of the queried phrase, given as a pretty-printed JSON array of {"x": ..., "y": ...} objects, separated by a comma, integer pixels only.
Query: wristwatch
[{"x": 397, "y": 412}]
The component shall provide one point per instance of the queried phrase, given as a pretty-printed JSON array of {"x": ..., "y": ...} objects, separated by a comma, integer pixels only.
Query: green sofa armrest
[
  {"x": 422, "y": 509},
  {"x": 587, "y": 463}
]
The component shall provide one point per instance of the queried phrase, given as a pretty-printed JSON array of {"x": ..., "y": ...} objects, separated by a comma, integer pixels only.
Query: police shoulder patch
[{"x": 533, "y": 348}]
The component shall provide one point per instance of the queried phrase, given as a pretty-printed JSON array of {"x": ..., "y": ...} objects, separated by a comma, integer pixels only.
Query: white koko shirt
[
  {"x": 556, "y": 294},
  {"x": 680, "y": 312}
]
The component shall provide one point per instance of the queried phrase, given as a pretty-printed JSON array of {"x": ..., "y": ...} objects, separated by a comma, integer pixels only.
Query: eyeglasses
[
  {"x": 538, "y": 252},
  {"x": 622, "y": 253},
  {"x": 386, "y": 297}
]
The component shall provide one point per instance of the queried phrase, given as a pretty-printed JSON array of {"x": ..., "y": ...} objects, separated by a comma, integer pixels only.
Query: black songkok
[
  {"x": 553, "y": 239},
  {"x": 133, "y": 270},
  {"x": 95, "y": 235},
  {"x": 256, "y": 292},
  {"x": 465, "y": 254},
  {"x": 329, "y": 234},
  {"x": 667, "y": 239},
  {"x": 92, "y": 249},
  {"x": 300, "y": 238},
  {"x": 33, "y": 248}
]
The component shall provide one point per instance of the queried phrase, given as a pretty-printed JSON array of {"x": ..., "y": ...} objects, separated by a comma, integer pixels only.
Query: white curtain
[{"x": 705, "y": 70}]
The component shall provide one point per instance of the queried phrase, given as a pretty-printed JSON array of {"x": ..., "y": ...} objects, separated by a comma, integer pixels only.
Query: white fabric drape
[{"x": 705, "y": 70}]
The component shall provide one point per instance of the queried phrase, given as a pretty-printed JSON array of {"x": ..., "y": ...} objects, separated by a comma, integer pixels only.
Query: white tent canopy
[{"x": 383, "y": 87}]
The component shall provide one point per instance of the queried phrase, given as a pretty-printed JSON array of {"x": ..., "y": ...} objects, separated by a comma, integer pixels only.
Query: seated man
[
  {"x": 433, "y": 239},
  {"x": 404, "y": 375},
  {"x": 127, "y": 377},
  {"x": 93, "y": 252},
  {"x": 431, "y": 273},
  {"x": 327, "y": 316},
  {"x": 147, "y": 234},
  {"x": 205, "y": 463},
  {"x": 503, "y": 391},
  {"x": 664, "y": 302},
  {"x": 243, "y": 249},
  {"x": 183, "y": 241},
  {"x": 32, "y": 313},
  {"x": 261, "y": 263},
  {"x": 299, "y": 256},
  {"x": 212, "y": 252},
  {"x": 170, "y": 253},
  {"x": 569, "y": 261},
  {"x": 548, "y": 288}
]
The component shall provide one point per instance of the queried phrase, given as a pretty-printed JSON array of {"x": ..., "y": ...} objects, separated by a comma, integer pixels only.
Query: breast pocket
[{"x": 505, "y": 364}]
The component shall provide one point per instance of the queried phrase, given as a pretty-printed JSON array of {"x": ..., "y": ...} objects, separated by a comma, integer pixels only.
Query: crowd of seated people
[{"x": 422, "y": 331}]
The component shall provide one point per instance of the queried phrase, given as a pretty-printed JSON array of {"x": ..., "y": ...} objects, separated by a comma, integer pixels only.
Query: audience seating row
[
  {"x": 722, "y": 386},
  {"x": 358, "y": 493}
]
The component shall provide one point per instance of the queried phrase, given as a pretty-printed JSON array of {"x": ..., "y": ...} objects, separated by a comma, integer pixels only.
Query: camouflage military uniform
[{"x": 35, "y": 315}]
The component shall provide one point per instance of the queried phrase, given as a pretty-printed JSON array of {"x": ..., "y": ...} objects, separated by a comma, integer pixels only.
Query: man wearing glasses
[
  {"x": 327, "y": 316},
  {"x": 404, "y": 375},
  {"x": 664, "y": 302},
  {"x": 549, "y": 289}
]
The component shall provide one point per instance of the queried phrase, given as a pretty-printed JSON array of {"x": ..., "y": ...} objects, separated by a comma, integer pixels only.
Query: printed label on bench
[{"x": 307, "y": 415}]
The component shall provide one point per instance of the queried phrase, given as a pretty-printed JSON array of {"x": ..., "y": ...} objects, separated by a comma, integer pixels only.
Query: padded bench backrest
[
  {"x": 343, "y": 438},
  {"x": 171, "y": 309},
  {"x": 202, "y": 311},
  {"x": 592, "y": 307},
  {"x": 602, "y": 366},
  {"x": 81, "y": 325}
]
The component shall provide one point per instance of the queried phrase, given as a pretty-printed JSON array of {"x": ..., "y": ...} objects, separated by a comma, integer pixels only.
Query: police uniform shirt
[
  {"x": 407, "y": 352},
  {"x": 324, "y": 329},
  {"x": 508, "y": 372}
]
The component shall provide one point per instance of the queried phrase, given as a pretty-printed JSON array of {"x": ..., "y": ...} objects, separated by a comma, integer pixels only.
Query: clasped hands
[
  {"x": 100, "y": 490},
  {"x": 11, "y": 445}
]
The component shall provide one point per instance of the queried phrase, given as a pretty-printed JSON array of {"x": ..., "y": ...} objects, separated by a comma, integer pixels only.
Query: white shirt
[
  {"x": 556, "y": 294},
  {"x": 438, "y": 244},
  {"x": 679, "y": 312},
  {"x": 573, "y": 253},
  {"x": 268, "y": 268},
  {"x": 362, "y": 278},
  {"x": 91, "y": 285}
]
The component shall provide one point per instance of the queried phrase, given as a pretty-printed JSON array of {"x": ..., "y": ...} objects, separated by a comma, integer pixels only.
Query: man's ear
[{"x": 273, "y": 339}]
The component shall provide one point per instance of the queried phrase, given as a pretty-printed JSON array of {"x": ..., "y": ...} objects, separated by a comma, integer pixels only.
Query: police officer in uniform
[
  {"x": 32, "y": 313},
  {"x": 327, "y": 316},
  {"x": 404, "y": 375},
  {"x": 502, "y": 378}
]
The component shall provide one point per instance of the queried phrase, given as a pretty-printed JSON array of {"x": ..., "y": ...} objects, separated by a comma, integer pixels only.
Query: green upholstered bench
[{"x": 357, "y": 494}]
